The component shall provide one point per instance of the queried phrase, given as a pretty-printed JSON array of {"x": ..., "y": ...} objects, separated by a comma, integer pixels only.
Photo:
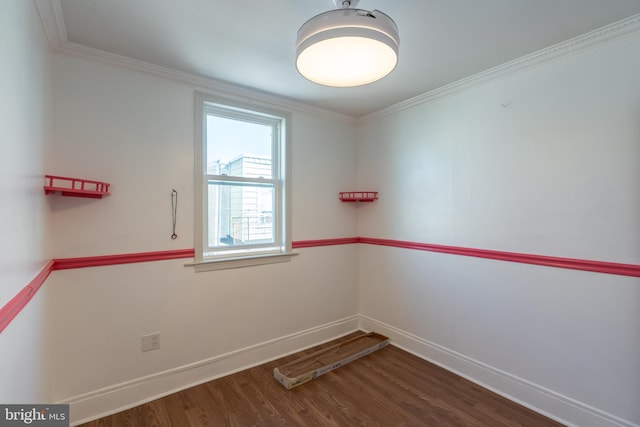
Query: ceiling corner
[{"x": 50, "y": 12}]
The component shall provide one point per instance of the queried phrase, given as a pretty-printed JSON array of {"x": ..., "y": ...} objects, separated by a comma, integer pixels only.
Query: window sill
[{"x": 227, "y": 263}]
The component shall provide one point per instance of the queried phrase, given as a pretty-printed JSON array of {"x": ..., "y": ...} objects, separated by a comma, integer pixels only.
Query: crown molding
[
  {"x": 601, "y": 36},
  {"x": 50, "y": 12},
  {"x": 201, "y": 83}
]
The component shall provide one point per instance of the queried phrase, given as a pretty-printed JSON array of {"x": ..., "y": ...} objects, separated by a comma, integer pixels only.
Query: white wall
[
  {"x": 554, "y": 171},
  {"x": 25, "y": 127},
  {"x": 135, "y": 131}
]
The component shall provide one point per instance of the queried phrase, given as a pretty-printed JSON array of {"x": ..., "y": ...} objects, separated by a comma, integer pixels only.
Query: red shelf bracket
[
  {"x": 75, "y": 187},
  {"x": 358, "y": 196}
]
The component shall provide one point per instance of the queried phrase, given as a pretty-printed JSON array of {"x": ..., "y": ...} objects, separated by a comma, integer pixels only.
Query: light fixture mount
[
  {"x": 347, "y": 47},
  {"x": 343, "y": 4}
]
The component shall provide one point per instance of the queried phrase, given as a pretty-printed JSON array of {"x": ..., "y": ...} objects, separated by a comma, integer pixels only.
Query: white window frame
[{"x": 250, "y": 255}]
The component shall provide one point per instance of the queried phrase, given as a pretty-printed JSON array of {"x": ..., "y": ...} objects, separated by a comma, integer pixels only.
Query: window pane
[
  {"x": 238, "y": 148},
  {"x": 240, "y": 214}
]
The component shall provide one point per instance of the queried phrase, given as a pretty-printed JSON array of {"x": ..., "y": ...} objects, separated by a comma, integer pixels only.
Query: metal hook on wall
[{"x": 174, "y": 211}]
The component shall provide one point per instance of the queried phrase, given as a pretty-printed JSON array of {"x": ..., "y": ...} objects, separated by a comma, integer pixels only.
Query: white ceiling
[{"x": 251, "y": 43}]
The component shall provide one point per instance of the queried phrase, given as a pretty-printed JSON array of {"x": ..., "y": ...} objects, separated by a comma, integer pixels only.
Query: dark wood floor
[{"x": 389, "y": 387}]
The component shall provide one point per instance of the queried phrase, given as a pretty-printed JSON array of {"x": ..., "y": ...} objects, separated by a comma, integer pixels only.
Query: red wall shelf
[
  {"x": 75, "y": 187},
  {"x": 358, "y": 196}
]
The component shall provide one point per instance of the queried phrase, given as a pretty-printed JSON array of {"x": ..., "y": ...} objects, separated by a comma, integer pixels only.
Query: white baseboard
[
  {"x": 547, "y": 402},
  {"x": 119, "y": 397}
]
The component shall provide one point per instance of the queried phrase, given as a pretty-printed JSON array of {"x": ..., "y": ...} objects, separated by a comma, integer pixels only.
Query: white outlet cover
[{"x": 150, "y": 342}]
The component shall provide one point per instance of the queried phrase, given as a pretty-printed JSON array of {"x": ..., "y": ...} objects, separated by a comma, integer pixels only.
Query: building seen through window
[{"x": 241, "y": 214}]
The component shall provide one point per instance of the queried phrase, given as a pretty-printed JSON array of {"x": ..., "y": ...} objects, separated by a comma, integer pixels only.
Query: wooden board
[{"x": 315, "y": 364}]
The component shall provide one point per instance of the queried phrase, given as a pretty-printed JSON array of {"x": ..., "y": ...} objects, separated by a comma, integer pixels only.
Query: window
[{"x": 242, "y": 184}]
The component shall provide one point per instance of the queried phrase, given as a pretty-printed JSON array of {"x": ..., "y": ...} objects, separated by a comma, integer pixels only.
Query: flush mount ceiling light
[{"x": 347, "y": 47}]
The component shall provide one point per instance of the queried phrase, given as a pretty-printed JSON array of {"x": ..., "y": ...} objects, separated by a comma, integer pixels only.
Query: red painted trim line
[
  {"x": 324, "y": 242},
  {"x": 548, "y": 261},
  {"x": 15, "y": 305},
  {"x": 96, "y": 261},
  {"x": 102, "y": 260},
  {"x": 12, "y": 308}
]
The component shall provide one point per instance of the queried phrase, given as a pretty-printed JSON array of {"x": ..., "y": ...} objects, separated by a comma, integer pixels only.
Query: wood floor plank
[
  {"x": 389, "y": 387},
  {"x": 176, "y": 409}
]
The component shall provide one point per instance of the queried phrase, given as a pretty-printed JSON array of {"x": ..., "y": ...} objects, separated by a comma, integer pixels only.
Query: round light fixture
[{"x": 347, "y": 47}]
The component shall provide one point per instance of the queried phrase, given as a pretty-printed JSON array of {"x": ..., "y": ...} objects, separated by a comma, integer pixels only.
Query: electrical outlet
[{"x": 150, "y": 342}]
